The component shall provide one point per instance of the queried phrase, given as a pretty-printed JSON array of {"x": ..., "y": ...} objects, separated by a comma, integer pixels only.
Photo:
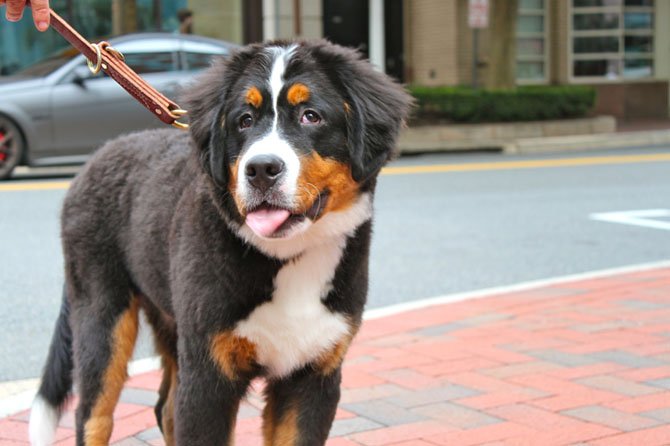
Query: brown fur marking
[
  {"x": 268, "y": 423},
  {"x": 297, "y": 94},
  {"x": 282, "y": 432},
  {"x": 167, "y": 419},
  {"x": 232, "y": 187},
  {"x": 233, "y": 354},
  {"x": 318, "y": 174},
  {"x": 254, "y": 97},
  {"x": 98, "y": 428},
  {"x": 331, "y": 360},
  {"x": 286, "y": 431}
]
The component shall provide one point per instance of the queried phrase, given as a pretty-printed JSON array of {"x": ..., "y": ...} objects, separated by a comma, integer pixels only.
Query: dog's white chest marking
[{"x": 295, "y": 328}]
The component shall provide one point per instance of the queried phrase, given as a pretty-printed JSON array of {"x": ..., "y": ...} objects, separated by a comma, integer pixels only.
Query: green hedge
[{"x": 528, "y": 103}]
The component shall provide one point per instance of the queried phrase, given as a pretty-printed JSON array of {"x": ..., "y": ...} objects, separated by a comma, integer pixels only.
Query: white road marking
[{"x": 644, "y": 218}]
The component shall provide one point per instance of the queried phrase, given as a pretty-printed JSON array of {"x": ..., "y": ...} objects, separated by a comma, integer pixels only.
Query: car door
[{"x": 88, "y": 110}]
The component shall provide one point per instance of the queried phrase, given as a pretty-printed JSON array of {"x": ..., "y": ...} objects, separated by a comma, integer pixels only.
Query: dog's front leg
[
  {"x": 207, "y": 399},
  {"x": 300, "y": 408}
]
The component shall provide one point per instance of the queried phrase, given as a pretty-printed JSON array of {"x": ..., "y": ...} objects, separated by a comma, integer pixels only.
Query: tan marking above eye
[
  {"x": 254, "y": 97},
  {"x": 298, "y": 93}
]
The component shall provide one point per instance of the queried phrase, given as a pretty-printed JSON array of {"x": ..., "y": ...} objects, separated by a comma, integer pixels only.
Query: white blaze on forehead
[
  {"x": 276, "y": 82},
  {"x": 272, "y": 143}
]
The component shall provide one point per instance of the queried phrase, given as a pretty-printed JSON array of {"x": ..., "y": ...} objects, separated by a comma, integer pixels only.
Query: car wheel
[{"x": 11, "y": 147}]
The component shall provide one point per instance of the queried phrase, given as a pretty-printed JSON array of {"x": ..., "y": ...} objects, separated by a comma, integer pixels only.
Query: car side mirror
[{"x": 80, "y": 75}]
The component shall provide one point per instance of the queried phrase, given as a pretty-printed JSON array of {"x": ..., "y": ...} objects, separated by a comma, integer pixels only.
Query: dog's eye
[
  {"x": 246, "y": 121},
  {"x": 310, "y": 117}
]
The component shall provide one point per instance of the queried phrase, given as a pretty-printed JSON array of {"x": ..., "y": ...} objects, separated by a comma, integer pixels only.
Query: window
[
  {"x": 531, "y": 42},
  {"x": 145, "y": 63},
  {"x": 197, "y": 61},
  {"x": 611, "y": 39},
  {"x": 22, "y": 45}
]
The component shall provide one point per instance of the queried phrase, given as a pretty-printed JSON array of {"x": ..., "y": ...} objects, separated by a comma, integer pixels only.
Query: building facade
[{"x": 622, "y": 47}]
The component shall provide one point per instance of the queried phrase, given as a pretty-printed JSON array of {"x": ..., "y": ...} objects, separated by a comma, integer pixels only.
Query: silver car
[{"x": 57, "y": 112}]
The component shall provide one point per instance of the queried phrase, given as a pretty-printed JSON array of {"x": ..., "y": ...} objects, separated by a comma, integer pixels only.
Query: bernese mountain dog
[{"x": 245, "y": 242}]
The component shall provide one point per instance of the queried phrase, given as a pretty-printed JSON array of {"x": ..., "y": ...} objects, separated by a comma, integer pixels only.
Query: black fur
[
  {"x": 57, "y": 380},
  {"x": 152, "y": 217}
]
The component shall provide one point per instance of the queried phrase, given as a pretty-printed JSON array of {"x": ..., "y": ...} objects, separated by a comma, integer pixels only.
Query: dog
[{"x": 244, "y": 241}]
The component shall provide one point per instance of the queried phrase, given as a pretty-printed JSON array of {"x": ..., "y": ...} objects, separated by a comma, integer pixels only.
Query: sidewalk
[{"x": 579, "y": 363}]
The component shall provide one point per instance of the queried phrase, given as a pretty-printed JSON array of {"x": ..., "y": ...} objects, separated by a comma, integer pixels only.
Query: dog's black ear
[
  {"x": 205, "y": 101},
  {"x": 376, "y": 108}
]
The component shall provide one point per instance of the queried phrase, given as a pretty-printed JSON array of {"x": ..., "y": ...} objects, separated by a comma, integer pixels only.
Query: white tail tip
[{"x": 43, "y": 423}]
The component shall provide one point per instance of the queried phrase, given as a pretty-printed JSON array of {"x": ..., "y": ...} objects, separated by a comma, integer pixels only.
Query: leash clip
[
  {"x": 99, "y": 48},
  {"x": 176, "y": 114}
]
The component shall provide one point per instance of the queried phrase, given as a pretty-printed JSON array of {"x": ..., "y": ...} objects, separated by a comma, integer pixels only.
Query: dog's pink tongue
[{"x": 265, "y": 222}]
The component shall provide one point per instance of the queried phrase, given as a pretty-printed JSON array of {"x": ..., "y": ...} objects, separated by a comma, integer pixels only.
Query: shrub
[{"x": 528, "y": 103}]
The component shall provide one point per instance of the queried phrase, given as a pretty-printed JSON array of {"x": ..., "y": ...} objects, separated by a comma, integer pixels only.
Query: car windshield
[{"x": 47, "y": 66}]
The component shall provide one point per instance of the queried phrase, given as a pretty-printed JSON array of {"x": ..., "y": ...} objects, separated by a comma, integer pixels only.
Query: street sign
[{"x": 478, "y": 13}]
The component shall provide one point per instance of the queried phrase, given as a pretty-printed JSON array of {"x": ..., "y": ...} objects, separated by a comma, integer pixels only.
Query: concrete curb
[
  {"x": 588, "y": 142},
  {"x": 496, "y": 135},
  {"x": 528, "y": 137}
]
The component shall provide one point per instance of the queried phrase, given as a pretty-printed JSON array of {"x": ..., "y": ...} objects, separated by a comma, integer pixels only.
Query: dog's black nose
[{"x": 263, "y": 171}]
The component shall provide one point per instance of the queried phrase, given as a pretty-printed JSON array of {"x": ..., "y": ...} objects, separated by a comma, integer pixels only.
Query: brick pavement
[{"x": 579, "y": 363}]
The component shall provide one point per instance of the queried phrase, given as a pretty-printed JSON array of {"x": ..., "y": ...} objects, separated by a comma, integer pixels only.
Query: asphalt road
[{"x": 476, "y": 221}]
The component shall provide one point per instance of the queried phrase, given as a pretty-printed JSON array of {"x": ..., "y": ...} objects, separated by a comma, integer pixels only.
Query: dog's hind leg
[
  {"x": 104, "y": 322},
  {"x": 165, "y": 407},
  {"x": 165, "y": 337}
]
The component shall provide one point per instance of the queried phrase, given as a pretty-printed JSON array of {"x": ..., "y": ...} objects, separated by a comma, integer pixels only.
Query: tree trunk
[
  {"x": 501, "y": 67},
  {"x": 124, "y": 17}
]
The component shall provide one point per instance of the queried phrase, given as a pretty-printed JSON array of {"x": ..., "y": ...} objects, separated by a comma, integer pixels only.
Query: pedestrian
[
  {"x": 185, "y": 17},
  {"x": 40, "y": 11}
]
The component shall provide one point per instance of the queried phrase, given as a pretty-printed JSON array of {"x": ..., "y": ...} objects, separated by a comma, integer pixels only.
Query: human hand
[{"x": 40, "y": 11}]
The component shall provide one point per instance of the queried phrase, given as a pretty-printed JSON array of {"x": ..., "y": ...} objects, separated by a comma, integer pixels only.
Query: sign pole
[
  {"x": 475, "y": 56},
  {"x": 478, "y": 18}
]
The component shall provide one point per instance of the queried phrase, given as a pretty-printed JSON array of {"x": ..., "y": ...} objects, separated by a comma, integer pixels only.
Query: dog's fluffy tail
[{"x": 56, "y": 383}]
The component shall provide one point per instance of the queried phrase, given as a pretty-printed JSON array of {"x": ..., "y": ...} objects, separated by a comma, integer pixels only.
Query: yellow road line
[
  {"x": 527, "y": 164},
  {"x": 437, "y": 168},
  {"x": 51, "y": 185}
]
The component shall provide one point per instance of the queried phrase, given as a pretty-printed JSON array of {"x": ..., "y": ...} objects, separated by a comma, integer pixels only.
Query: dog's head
[{"x": 294, "y": 135}]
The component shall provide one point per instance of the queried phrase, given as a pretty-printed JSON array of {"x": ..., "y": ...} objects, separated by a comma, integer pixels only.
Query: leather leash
[{"x": 103, "y": 57}]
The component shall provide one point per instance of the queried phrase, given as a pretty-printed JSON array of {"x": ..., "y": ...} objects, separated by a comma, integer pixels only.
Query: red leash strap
[{"x": 102, "y": 57}]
